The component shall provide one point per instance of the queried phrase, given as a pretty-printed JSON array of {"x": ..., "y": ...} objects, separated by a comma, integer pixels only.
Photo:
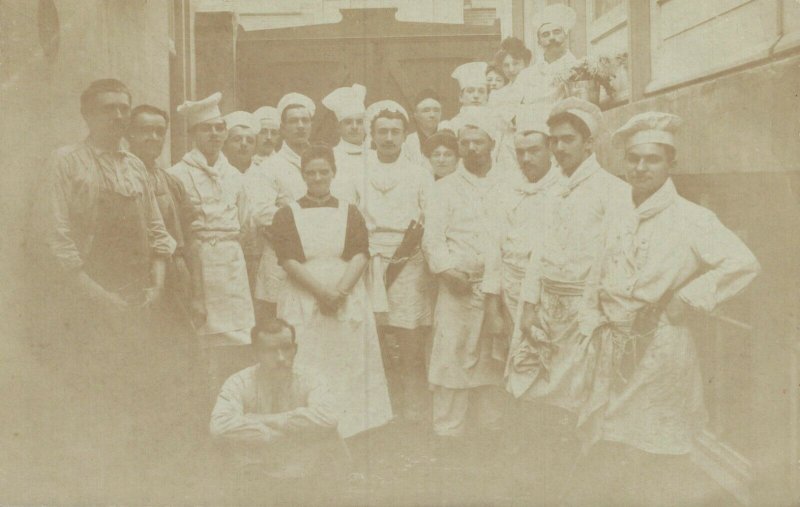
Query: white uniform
[
  {"x": 459, "y": 232},
  {"x": 219, "y": 218},
  {"x": 557, "y": 273},
  {"x": 350, "y": 163},
  {"x": 651, "y": 250},
  {"x": 390, "y": 197},
  {"x": 542, "y": 85},
  {"x": 282, "y": 169},
  {"x": 412, "y": 149}
]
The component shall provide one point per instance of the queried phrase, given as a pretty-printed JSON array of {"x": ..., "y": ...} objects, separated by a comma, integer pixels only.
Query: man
[
  {"x": 427, "y": 115},
  {"x": 146, "y": 135},
  {"x": 558, "y": 380},
  {"x": 239, "y": 149},
  {"x": 459, "y": 232},
  {"x": 106, "y": 250},
  {"x": 347, "y": 103},
  {"x": 541, "y": 82},
  {"x": 296, "y": 112},
  {"x": 523, "y": 213},
  {"x": 392, "y": 195},
  {"x": 240, "y": 143},
  {"x": 472, "y": 85},
  {"x": 277, "y": 422},
  {"x": 268, "y": 139},
  {"x": 217, "y": 206},
  {"x": 664, "y": 258}
]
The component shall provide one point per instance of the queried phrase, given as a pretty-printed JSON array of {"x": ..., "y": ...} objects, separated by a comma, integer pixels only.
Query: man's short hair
[
  {"x": 148, "y": 109},
  {"x": 527, "y": 133},
  {"x": 317, "y": 151},
  {"x": 102, "y": 86},
  {"x": 392, "y": 115},
  {"x": 289, "y": 108},
  {"x": 271, "y": 326},
  {"x": 571, "y": 119}
]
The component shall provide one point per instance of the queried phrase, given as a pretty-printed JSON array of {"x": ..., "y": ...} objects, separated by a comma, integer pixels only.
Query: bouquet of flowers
[{"x": 598, "y": 70}]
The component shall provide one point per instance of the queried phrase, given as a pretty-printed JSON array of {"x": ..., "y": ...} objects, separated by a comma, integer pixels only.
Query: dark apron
[{"x": 119, "y": 259}]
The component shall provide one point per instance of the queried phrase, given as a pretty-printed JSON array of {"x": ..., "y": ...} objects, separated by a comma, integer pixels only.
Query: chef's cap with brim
[
  {"x": 347, "y": 102},
  {"x": 530, "y": 120},
  {"x": 587, "y": 112},
  {"x": 472, "y": 74},
  {"x": 296, "y": 99},
  {"x": 268, "y": 117},
  {"x": 199, "y": 111},
  {"x": 384, "y": 105},
  {"x": 242, "y": 119},
  {"x": 480, "y": 117},
  {"x": 649, "y": 127}
]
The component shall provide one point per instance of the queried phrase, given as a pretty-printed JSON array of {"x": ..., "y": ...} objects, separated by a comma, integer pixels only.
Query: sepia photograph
[{"x": 400, "y": 253}]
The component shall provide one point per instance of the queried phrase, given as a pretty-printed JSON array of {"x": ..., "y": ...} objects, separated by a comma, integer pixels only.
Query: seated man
[{"x": 274, "y": 421}]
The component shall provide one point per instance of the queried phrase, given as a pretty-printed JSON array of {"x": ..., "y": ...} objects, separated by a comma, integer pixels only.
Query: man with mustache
[
  {"x": 282, "y": 184},
  {"x": 217, "y": 220},
  {"x": 268, "y": 138},
  {"x": 347, "y": 103},
  {"x": 540, "y": 82},
  {"x": 556, "y": 277},
  {"x": 664, "y": 258},
  {"x": 239, "y": 149},
  {"x": 106, "y": 251},
  {"x": 276, "y": 422},
  {"x": 466, "y": 368},
  {"x": 393, "y": 193}
]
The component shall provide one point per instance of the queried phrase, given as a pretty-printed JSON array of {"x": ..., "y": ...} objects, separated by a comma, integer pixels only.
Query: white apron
[{"x": 341, "y": 348}]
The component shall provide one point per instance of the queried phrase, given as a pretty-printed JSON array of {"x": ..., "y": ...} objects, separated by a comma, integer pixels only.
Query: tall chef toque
[
  {"x": 347, "y": 102},
  {"x": 472, "y": 74},
  {"x": 198, "y": 111},
  {"x": 556, "y": 14}
]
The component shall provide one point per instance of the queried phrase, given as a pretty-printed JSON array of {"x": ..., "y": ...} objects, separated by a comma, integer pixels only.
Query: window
[
  {"x": 602, "y": 7},
  {"x": 607, "y": 37}
]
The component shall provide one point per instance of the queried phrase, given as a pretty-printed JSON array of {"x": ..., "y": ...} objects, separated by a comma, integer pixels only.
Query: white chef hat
[
  {"x": 649, "y": 127},
  {"x": 198, "y": 111},
  {"x": 529, "y": 119},
  {"x": 384, "y": 105},
  {"x": 296, "y": 99},
  {"x": 242, "y": 119},
  {"x": 470, "y": 74},
  {"x": 346, "y": 102},
  {"x": 480, "y": 117},
  {"x": 589, "y": 113},
  {"x": 556, "y": 14},
  {"x": 268, "y": 116}
]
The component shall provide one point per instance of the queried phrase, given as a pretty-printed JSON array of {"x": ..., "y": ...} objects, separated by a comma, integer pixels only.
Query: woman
[
  {"x": 512, "y": 58},
  {"x": 441, "y": 149},
  {"x": 322, "y": 244},
  {"x": 495, "y": 78}
]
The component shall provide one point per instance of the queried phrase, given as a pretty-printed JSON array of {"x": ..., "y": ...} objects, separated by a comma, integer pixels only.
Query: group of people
[{"x": 483, "y": 275}]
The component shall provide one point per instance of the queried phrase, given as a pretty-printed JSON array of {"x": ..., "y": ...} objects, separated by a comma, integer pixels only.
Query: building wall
[{"x": 39, "y": 99}]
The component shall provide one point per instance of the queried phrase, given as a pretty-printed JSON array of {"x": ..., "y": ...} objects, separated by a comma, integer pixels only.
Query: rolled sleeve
[
  {"x": 161, "y": 243},
  {"x": 59, "y": 232}
]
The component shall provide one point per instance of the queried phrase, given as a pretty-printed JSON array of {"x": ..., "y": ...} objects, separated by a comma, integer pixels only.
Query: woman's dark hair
[
  {"x": 317, "y": 151},
  {"x": 441, "y": 138},
  {"x": 516, "y": 48}
]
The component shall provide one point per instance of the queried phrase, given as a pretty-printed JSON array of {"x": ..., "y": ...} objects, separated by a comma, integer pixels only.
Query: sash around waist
[
  {"x": 560, "y": 288},
  {"x": 214, "y": 236}
]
